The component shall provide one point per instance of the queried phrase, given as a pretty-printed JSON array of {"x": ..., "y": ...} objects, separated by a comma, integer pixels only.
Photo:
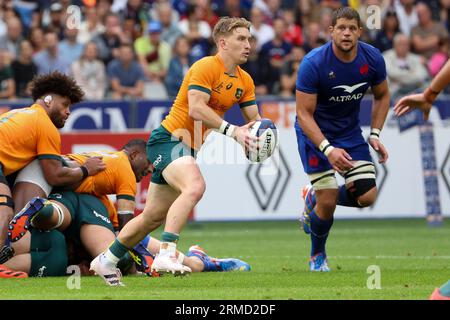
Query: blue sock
[
  {"x": 346, "y": 199},
  {"x": 319, "y": 233},
  {"x": 145, "y": 241},
  {"x": 208, "y": 264}
]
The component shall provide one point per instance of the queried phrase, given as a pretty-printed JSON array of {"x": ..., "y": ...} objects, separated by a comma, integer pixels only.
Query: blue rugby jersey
[{"x": 339, "y": 86}]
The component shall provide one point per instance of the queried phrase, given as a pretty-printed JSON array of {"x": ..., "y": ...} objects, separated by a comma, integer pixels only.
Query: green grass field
[{"x": 412, "y": 257}]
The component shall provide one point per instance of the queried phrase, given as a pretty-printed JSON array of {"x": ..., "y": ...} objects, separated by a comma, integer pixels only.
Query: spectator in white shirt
[{"x": 405, "y": 70}]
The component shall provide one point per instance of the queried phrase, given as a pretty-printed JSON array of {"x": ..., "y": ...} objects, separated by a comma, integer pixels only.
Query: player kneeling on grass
[{"x": 84, "y": 219}]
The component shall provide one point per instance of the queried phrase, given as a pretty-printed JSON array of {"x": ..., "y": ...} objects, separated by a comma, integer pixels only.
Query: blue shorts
[{"x": 315, "y": 161}]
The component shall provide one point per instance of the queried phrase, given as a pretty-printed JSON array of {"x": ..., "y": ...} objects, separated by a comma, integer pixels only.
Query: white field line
[{"x": 381, "y": 257}]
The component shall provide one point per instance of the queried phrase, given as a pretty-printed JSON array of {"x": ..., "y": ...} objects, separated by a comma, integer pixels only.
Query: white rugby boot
[{"x": 111, "y": 275}]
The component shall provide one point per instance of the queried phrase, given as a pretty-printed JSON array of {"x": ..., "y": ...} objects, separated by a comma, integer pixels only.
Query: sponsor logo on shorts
[
  {"x": 101, "y": 216},
  {"x": 41, "y": 271},
  {"x": 158, "y": 160}
]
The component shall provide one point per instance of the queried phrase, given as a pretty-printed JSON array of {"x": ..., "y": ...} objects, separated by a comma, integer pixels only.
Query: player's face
[
  {"x": 59, "y": 110},
  {"x": 238, "y": 45},
  {"x": 345, "y": 34},
  {"x": 140, "y": 165}
]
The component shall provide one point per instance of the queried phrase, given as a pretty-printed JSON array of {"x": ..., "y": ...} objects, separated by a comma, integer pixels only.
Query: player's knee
[
  {"x": 368, "y": 198},
  {"x": 196, "y": 190},
  {"x": 364, "y": 191},
  {"x": 7, "y": 202},
  {"x": 326, "y": 206}
]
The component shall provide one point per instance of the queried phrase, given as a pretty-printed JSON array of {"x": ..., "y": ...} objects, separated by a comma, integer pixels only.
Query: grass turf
[{"x": 413, "y": 259}]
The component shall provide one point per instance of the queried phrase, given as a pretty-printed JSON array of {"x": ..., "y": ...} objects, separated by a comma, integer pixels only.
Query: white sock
[
  {"x": 109, "y": 259},
  {"x": 171, "y": 248},
  {"x": 180, "y": 257}
]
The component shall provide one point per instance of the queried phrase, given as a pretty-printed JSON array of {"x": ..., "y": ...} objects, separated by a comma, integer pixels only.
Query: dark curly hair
[{"x": 57, "y": 83}]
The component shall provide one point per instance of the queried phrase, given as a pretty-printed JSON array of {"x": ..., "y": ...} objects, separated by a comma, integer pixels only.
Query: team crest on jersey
[
  {"x": 331, "y": 75},
  {"x": 364, "y": 69},
  {"x": 238, "y": 93}
]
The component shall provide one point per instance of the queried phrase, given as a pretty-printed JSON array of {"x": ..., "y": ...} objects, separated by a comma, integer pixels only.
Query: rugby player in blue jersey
[{"x": 331, "y": 83}]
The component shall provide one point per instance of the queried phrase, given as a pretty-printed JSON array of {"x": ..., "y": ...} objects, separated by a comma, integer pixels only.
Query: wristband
[
  {"x": 326, "y": 147},
  {"x": 123, "y": 212},
  {"x": 227, "y": 129},
  {"x": 430, "y": 95},
  {"x": 85, "y": 172},
  {"x": 375, "y": 133}
]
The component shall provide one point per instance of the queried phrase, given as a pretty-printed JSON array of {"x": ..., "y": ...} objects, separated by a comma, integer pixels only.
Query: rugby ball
[{"x": 266, "y": 130}]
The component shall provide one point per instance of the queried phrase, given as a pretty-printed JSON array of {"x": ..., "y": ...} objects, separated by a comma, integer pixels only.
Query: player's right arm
[
  {"x": 423, "y": 101},
  {"x": 48, "y": 149},
  {"x": 306, "y": 102},
  {"x": 306, "y": 105},
  {"x": 200, "y": 111}
]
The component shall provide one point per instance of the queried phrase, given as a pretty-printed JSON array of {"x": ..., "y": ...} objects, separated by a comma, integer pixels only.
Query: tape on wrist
[
  {"x": 227, "y": 129},
  {"x": 375, "y": 133},
  {"x": 85, "y": 172},
  {"x": 325, "y": 147},
  {"x": 124, "y": 212}
]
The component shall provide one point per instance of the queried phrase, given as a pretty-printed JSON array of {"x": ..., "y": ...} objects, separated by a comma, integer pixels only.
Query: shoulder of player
[
  {"x": 316, "y": 55},
  {"x": 244, "y": 74},
  {"x": 316, "y": 52},
  {"x": 369, "y": 50},
  {"x": 205, "y": 62},
  {"x": 42, "y": 116},
  {"x": 122, "y": 160}
]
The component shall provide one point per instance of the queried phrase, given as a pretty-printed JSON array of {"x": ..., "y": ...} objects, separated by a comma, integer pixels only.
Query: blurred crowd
[{"x": 118, "y": 49}]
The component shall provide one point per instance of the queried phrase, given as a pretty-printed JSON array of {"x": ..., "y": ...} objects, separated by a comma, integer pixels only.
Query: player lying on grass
[{"x": 86, "y": 223}]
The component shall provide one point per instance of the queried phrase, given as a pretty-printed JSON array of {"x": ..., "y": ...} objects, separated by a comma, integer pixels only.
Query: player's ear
[
  {"x": 134, "y": 154},
  {"x": 47, "y": 100},
  {"x": 222, "y": 42}
]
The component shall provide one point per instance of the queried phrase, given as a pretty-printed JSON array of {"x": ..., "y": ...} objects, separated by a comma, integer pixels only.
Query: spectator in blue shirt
[
  {"x": 179, "y": 65},
  {"x": 273, "y": 55},
  {"x": 49, "y": 59},
  {"x": 70, "y": 49},
  {"x": 126, "y": 75}
]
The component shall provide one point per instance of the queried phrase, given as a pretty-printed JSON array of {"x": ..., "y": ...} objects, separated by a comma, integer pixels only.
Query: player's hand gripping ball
[{"x": 266, "y": 130}]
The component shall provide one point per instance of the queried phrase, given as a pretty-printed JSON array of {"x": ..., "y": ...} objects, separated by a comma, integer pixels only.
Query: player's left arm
[
  {"x": 380, "y": 108},
  {"x": 125, "y": 211},
  {"x": 247, "y": 103},
  {"x": 250, "y": 113}
]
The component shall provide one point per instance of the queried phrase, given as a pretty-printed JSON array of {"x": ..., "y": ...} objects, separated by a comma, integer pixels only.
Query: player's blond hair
[{"x": 225, "y": 26}]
